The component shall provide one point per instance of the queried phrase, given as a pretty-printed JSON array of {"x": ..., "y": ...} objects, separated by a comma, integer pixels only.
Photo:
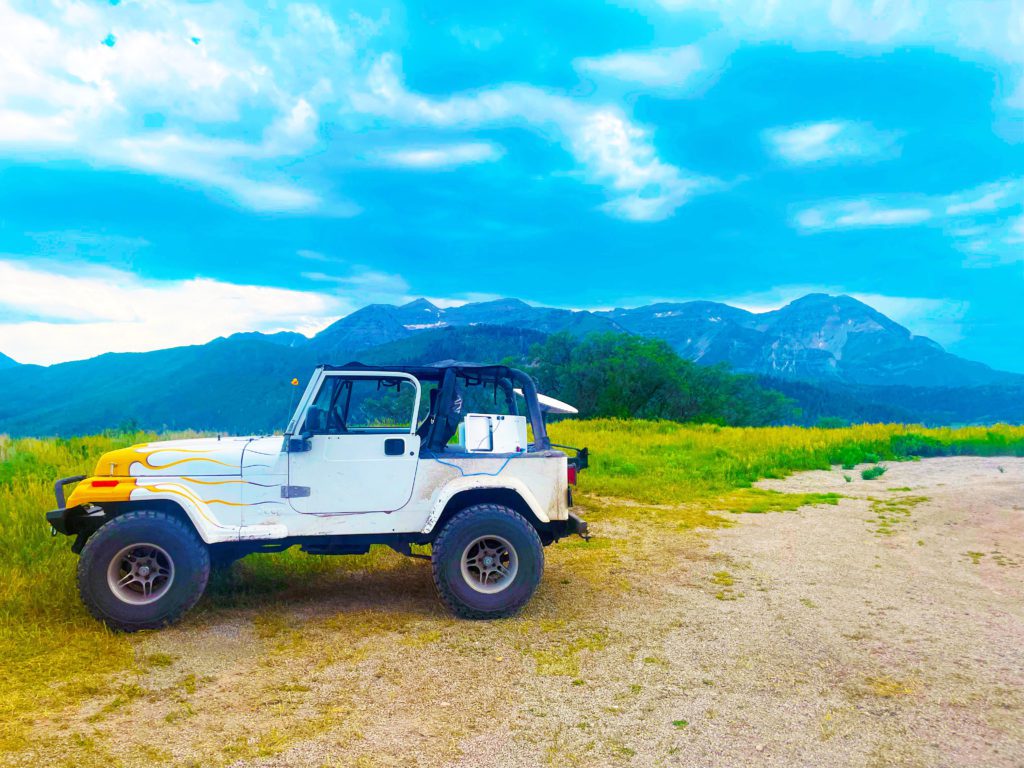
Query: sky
[{"x": 172, "y": 172}]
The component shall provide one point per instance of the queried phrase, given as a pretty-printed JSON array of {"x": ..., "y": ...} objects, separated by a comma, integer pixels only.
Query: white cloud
[
  {"x": 831, "y": 141},
  {"x": 200, "y": 67},
  {"x": 984, "y": 222},
  {"x": 371, "y": 285},
  {"x": 1017, "y": 230},
  {"x": 441, "y": 157},
  {"x": 986, "y": 198},
  {"x": 73, "y": 310},
  {"x": 867, "y": 215},
  {"x": 877, "y": 22},
  {"x": 306, "y": 253},
  {"x": 939, "y": 319},
  {"x": 216, "y": 163},
  {"x": 985, "y": 32},
  {"x": 857, "y": 214},
  {"x": 614, "y": 152},
  {"x": 661, "y": 67},
  {"x": 76, "y": 311}
]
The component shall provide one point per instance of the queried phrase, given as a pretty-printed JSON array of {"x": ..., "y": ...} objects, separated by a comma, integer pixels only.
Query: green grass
[
  {"x": 662, "y": 462},
  {"x": 873, "y": 472},
  {"x": 52, "y": 654}
]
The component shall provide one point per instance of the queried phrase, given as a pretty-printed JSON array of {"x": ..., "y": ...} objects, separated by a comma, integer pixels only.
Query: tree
[{"x": 625, "y": 376}]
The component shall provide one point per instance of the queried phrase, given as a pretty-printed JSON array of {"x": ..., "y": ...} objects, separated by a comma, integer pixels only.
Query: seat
[
  {"x": 424, "y": 428},
  {"x": 449, "y": 425}
]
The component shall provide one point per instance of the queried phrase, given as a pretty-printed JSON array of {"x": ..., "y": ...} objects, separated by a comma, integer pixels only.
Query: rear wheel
[
  {"x": 142, "y": 570},
  {"x": 487, "y": 562}
]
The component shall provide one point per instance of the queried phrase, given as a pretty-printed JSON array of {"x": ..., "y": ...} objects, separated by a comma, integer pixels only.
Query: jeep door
[{"x": 362, "y": 448}]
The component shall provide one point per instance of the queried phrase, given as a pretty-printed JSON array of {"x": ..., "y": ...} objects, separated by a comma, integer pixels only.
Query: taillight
[
  {"x": 571, "y": 473},
  {"x": 104, "y": 483}
]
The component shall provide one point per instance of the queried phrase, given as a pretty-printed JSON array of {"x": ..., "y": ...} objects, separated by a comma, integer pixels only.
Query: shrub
[{"x": 871, "y": 473}]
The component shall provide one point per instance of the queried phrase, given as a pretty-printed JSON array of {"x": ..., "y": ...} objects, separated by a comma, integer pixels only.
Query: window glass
[
  {"x": 379, "y": 405},
  {"x": 488, "y": 397},
  {"x": 347, "y": 404}
]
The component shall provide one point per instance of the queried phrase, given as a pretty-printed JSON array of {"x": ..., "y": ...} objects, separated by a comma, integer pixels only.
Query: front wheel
[
  {"x": 487, "y": 562},
  {"x": 142, "y": 570}
]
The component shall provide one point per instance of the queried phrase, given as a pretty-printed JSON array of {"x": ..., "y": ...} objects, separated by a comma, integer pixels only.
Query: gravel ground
[{"x": 886, "y": 630}]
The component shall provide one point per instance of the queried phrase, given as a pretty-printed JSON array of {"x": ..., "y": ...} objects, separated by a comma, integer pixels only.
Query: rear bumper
[{"x": 559, "y": 529}]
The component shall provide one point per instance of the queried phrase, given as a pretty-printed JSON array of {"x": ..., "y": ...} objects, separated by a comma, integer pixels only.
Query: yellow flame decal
[
  {"x": 187, "y": 460},
  {"x": 119, "y": 463}
]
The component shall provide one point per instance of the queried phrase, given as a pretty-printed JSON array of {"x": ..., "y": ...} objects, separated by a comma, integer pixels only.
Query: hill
[
  {"x": 833, "y": 355},
  {"x": 817, "y": 338}
]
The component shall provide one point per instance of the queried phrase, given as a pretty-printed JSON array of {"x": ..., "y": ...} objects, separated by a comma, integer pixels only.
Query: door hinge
[{"x": 294, "y": 491}]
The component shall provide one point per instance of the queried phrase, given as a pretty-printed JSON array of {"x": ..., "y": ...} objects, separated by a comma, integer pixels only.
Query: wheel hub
[
  {"x": 140, "y": 574},
  {"x": 489, "y": 564}
]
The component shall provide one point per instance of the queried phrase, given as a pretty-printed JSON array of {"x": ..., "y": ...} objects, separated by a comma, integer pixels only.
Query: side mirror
[{"x": 298, "y": 444}]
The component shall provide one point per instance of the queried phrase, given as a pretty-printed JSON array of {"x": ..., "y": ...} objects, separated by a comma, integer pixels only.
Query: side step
[{"x": 335, "y": 548}]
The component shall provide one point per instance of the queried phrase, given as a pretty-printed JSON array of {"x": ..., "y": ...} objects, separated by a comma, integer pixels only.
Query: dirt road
[{"x": 885, "y": 630}]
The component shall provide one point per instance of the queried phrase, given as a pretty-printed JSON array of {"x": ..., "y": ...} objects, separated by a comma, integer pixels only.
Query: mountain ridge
[
  {"x": 817, "y": 337},
  {"x": 835, "y": 356}
]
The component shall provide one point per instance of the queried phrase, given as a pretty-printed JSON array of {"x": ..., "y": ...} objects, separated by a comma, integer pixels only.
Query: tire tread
[
  {"x": 440, "y": 545},
  {"x": 87, "y": 561}
]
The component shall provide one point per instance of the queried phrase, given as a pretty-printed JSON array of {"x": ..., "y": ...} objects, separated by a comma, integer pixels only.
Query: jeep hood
[{"x": 176, "y": 458}]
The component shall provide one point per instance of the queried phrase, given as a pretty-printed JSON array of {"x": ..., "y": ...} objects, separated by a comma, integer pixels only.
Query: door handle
[{"x": 394, "y": 446}]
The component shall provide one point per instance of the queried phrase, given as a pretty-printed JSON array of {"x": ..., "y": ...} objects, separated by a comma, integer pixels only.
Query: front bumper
[
  {"x": 58, "y": 488},
  {"x": 62, "y": 519},
  {"x": 58, "y": 520}
]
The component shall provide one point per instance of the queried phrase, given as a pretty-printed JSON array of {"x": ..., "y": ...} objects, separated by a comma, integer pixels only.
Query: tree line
[{"x": 625, "y": 376}]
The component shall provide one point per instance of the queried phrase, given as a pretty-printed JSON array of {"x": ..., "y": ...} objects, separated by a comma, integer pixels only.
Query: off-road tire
[
  {"x": 472, "y": 523},
  {"x": 191, "y": 569}
]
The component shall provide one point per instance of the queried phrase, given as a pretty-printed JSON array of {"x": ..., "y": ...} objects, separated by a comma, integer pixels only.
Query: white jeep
[{"x": 400, "y": 456}]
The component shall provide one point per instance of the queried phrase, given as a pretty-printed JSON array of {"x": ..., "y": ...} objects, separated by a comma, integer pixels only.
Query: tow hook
[{"x": 579, "y": 526}]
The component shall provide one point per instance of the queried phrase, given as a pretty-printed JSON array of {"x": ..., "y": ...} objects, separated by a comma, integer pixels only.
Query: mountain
[
  {"x": 454, "y": 343},
  {"x": 817, "y": 338},
  {"x": 522, "y": 315},
  {"x": 237, "y": 385},
  {"x": 833, "y": 355},
  {"x": 378, "y": 324},
  {"x": 6, "y": 362},
  {"x": 370, "y": 326}
]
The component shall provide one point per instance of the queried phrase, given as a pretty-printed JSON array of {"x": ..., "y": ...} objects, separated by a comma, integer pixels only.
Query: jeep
[{"x": 453, "y": 455}]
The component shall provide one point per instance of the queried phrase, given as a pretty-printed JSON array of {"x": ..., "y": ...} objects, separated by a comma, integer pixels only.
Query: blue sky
[{"x": 173, "y": 172}]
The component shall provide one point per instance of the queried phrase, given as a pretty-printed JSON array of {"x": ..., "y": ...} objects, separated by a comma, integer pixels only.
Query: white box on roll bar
[{"x": 493, "y": 433}]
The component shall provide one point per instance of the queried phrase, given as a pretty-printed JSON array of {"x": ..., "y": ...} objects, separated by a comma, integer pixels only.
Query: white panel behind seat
[{"x": 493, "y": 433}]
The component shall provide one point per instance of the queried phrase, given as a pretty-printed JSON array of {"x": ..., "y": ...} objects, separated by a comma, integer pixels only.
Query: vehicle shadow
[{"x": 325, "y": 586}]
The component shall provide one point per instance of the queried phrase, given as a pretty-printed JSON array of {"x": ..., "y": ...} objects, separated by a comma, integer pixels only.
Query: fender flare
[
  {"x": 197, "y": 510},
  {"x": 128, "y": 490},
  {"x": 462, "y": 484}
]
